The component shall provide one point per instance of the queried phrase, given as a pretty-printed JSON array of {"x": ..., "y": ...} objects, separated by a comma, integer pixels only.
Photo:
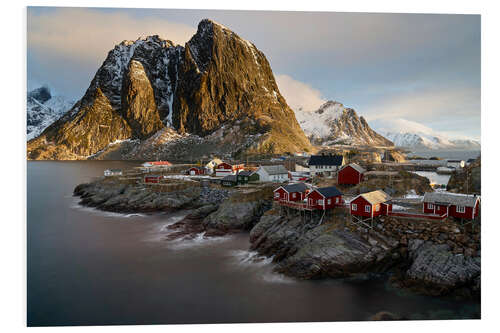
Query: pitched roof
[
  {"x": 326, "y": 160},
  {"x": 355, "y": 167},
  {"x": 376, "y": 197},
  {"x": 244, "y": 173},
  {"x": 330, "y": 191},
  {"x": 159, "y": 163},
  {"x": 231, "y": 178},
  {"x": 297, "y": 187},
  {"x": 451, "y": 198},
  {"x": 274, "y": 169}
]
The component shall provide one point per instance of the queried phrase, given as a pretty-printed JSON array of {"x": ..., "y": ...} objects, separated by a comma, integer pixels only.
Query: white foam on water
[
  {"x": 200, "y": 240},
  {"x": 253, "y": 260}
]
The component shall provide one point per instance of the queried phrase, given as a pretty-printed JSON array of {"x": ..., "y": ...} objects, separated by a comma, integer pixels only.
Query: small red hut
[
  {"x": 223, "y": 169},
  {"x": 195, "y": 171},
  {"x": 350, "y": 174},
  {"x": 452, "y": 204},
  {"x": 152, "y": 179},
  {"x": 292, "y": 192},
  {"x": 324, "y": 198},
  {"x": 371, "y": 204}
]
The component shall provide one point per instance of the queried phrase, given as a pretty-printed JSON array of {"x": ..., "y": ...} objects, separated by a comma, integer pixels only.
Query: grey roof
[
  {"x": 330, "y": 191},
  {"x": 355, "y": 167},
  {"x": 297, "y": 187},
  {"x": 244, "y": 173},
  {"x": 114, "y": 170},
  {"x": 326, "y": 160},
  {"x": 231, "y": 178},
  {"x": 274, "y": 169},
  {"x": 451, "y": 199}
]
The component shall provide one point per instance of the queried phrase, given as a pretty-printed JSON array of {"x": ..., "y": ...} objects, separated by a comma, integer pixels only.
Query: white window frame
[
  {"x": 368, "y": 209},
  {"x": 354, "y": 207},
  {"x": 460, "y": 209},
  {"x": 294, "y": 195},
  {"x": 329, "y": 201},
  {"x": 430, "y": 206},
  {"x": 321, "y": 201},
  {"x": 277, "y": 194},
  {"x": 377, "y": 208},
  {"x": 337, "y": 200}
]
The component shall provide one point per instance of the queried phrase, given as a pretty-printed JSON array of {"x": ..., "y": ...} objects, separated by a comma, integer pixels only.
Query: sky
[{"x": 422, "y": 69}]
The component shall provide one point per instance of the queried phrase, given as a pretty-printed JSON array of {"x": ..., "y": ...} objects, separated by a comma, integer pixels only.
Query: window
[
  {"x": 329, "y": 201},
  {"x": 337, "y": 200},
  {"x": 430, "y": 206},
  {"x": 460, "y": 209},
  {"x": 354, "y": 207},
  {"x": 367, "y": 208},
  {"x": 320, "y": 202},
  {"x": 277, "y": 195},
  {"x": 294, "y": 195},
  {"x": 377, "y": 208}
]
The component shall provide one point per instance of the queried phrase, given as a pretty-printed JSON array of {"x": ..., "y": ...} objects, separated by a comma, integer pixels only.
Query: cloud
[
  {"x": 429, "y": 105},
  {"x": 299, "y": 95}
]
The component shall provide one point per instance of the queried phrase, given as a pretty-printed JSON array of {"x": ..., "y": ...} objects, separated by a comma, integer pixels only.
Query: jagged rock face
[
  {"x": 41, "y": 94},
  {"x": 138, "y": 102},
  {"x": 225, "y": 78},
  {"x": 333, "y": 123},
  {"x": 219, "y": 81}
]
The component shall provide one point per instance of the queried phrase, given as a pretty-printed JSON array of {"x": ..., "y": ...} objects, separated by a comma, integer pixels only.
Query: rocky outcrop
[
  {"x": 233, "y": 215},
  {"x": 219, "y": 89},
  {"x": 428, "y": 257},
  {"x": 467, "y": 180},
  {"x": 334, "y": 124}
]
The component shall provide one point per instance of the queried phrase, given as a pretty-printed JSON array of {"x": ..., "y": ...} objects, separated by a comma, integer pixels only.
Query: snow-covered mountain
[
  {"x": 43, "y": 109},
  {"x": 409, "y": 134},
  {"x": 333, "y": 123}
]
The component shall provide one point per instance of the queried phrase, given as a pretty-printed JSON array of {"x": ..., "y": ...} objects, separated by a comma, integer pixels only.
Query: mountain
[
  {"x": 43, "y": 109},
  {"x": 218, "y": 87},
  {"x": 333, "y": 124},
  {"x": 413, "y": 135}
]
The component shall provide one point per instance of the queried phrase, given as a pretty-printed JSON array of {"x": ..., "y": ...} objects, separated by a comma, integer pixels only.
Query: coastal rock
[
  {"x": 236, "y": 215},
  {"x": 439, "y": 269}
]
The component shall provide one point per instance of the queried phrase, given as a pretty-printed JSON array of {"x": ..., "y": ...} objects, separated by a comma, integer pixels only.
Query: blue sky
[{"x": 418, "y": 67}]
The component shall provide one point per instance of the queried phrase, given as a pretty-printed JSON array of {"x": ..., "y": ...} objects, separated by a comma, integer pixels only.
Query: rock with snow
[{"x": 334, "y": 124}]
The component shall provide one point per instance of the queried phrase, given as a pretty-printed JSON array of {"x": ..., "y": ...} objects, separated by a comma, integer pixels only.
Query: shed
[
  {"x": 350, "y": 174},
  {"x": 451, "y": 204},
  {"x": 243, "y": 176},
  {"x": 291, "y": 192},
  {"x": 196, "y": 171},
  {"x": 371, "y": 204},
  {"x": 224, "y": 169},
  {"x": 324, "y": 198}
]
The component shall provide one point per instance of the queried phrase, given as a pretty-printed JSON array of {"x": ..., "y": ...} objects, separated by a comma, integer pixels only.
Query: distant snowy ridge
[
  {"x": 43, "y": 109},
  {"x": 334, "y": 124},
  {"x": 409, "y": 134}
]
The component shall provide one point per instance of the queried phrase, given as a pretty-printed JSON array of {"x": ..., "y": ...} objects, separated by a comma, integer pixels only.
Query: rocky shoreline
[{"x": 427, "y": 257}]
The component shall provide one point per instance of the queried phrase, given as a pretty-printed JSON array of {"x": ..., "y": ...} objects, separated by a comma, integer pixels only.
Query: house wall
[
  {"x": 360, "y": 211},
  {"x": 349, "y": 175},
  {"x": 313, "y": 197},
  {"x": 438, "y": 210},
  {"x": 466, "y": 215},
  {"x": 282, "y": 194},
  {"x": 152, "y": 180}
]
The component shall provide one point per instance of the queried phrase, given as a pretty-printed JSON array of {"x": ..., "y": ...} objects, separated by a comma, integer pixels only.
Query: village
[{"x": 314, "y": 186}]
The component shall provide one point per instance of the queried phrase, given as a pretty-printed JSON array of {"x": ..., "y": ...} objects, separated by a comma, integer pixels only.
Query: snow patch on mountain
[{"x": 43, "y": 109}]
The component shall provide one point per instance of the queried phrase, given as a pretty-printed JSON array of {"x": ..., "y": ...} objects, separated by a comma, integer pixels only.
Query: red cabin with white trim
[
  {"x": 194, "y": 171},
  {"x": 152, "y": 179},
  {"x": 350, "y": 174},
  {"x": 224, "y": 169},
  {"x": 371, "y": 204},
  {"x": 291, "y": 192},
  {"x": 451, "y": 204},
  {"x": 324, "y": 198}
]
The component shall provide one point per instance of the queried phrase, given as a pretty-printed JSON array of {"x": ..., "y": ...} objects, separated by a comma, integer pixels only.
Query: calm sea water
[
  {"x": 87, "y": 267},
  {"x": 448, "y": 154}
]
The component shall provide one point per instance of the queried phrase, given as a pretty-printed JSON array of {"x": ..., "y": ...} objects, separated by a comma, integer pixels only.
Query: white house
[
  {"x": 272, "y": 173},
  {"x": 210, "y": 166},
  {"x": 327, "y": 165}
]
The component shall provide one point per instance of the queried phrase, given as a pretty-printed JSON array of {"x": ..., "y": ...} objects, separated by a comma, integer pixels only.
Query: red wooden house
[
  {"x": 292, "y": 192},
  {"x": 451, "y": 204},
  {"x": 194, "y": 171},
  {"x": 152, "y": 179},
  {"x": 350, "y": 174},
  {"x": 223, "y": 169},
  {"x": 324, "y": 198},
  {"x": 371, "y": 204},
  {"x": 156, "y": 164}
]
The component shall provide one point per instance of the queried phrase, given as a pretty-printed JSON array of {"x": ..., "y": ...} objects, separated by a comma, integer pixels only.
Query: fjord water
[{"x": 86, "y": 267}]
